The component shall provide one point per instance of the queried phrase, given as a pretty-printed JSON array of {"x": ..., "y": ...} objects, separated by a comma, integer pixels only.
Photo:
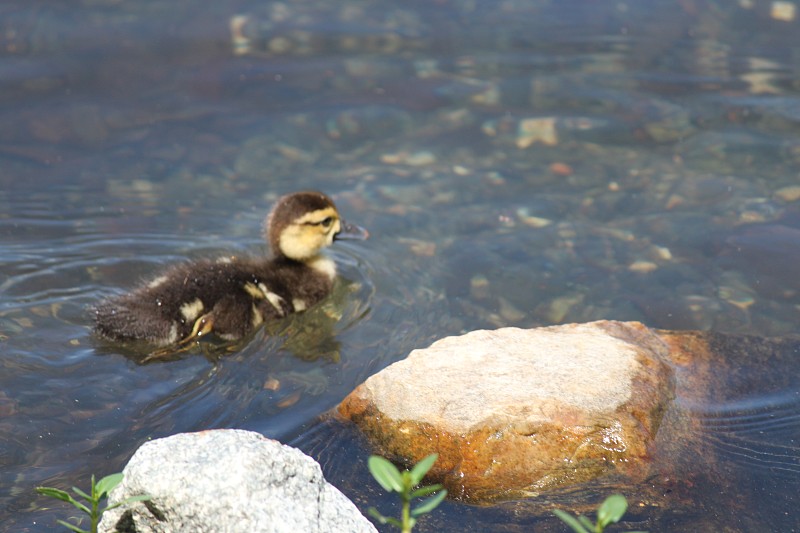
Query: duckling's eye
[{"x": 327, "y": 222}]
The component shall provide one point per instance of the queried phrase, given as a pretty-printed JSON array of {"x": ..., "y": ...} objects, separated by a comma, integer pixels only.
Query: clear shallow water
[{"x": 524, "y": 164}]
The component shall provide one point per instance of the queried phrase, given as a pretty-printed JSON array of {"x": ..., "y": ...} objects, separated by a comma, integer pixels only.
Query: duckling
[{"x": 230, "y": 297}]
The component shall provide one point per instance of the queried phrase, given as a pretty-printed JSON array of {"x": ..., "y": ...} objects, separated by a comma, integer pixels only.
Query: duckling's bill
[{"x": 351, "y": 232}]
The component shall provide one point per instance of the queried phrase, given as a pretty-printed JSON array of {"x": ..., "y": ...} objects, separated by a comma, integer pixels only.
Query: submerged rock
[
  {"x": 514, "y": 412},
  {"x": 228, "y": 480}
]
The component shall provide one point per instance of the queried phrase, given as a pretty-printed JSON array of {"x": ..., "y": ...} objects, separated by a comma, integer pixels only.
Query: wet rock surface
[
  {"x": 514, "y": 412},
  {"x": 731, "y": 403}
]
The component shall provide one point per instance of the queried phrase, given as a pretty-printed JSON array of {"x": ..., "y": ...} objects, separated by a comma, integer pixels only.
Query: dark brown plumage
[{"x": 230, "y": 297}]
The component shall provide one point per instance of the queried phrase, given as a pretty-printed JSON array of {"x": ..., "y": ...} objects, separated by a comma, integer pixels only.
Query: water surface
[{"x": 518, "y": 163}]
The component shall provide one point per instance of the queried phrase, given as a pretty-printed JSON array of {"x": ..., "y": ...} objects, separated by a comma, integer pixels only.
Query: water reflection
[{"x": 523, "y": 163}]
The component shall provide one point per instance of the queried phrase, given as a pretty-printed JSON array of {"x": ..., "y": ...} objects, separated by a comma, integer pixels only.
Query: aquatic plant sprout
[
  {"x": 610, "y": 511},
  {"x": 98, "y": 492},
  {"x": 403, "y": 483}
]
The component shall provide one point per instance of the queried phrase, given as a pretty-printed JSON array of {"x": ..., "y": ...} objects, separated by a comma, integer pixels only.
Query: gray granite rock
[{"x": 228, "y": 481}]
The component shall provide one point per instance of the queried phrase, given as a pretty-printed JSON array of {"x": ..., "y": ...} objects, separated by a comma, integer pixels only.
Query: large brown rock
[{"x": 514, "y": 412}]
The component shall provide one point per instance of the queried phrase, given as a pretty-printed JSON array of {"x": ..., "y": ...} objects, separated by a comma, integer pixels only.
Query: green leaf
[
  {"x": 612, "y": 510},
  {"x": 429, "y": 504},
  {"x": 132, "y": 499},
  {"x": 374, "y": 513},
  {"x": 107, "y": 484},
  {"x": 411, "y": 522},
  {"x": 384, "y": 519},
  {"x": 63, "y": 496},
  {"x": 71, "y": 527},
  {"x": 82, "y": 494},
  {"x": 55, "y": 493},
  {"x": 422, "y": 467},
  {"x": 424, "y": 491},
  {"x": 385, "y": 473},
  {"x": 570, "y": 521},
  {"x": 586, "y": 522},
  {"x": 138, "y": 498},
  {"x": 395, "y": 522}
]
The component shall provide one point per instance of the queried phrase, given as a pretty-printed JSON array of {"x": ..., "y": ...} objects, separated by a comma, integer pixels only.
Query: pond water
[{"x": 517, "y": 163}]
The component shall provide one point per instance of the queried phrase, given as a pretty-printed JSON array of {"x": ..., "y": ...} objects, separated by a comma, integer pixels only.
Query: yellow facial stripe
[
  {"x": 308, "y": 234},
  {"x": 318, "y": 216}
]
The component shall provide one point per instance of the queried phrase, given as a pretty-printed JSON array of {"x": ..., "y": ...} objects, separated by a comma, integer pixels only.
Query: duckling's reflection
[{"x": 311, "y": 336}]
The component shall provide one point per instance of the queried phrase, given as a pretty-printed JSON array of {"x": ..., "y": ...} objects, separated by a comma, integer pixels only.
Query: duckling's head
[{"x": 303, "y": 223}]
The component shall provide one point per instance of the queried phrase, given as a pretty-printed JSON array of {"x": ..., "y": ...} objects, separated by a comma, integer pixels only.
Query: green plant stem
[
  {"x": 406, "y": 499},
  {"x": 95, "y": 513}
]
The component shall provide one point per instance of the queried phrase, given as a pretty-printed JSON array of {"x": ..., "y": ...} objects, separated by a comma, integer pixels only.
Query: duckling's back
[{"x": 231, "y": 297}]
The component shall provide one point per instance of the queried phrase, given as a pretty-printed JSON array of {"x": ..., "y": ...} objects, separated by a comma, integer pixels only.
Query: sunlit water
[{"x": 519, "y": 163}]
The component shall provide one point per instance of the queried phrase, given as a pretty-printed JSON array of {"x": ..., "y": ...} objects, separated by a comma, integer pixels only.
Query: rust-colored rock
[{"x": 514, "y": 412}]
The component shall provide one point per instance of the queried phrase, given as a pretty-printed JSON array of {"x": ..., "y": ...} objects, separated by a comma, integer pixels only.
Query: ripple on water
[
  {"x": 761, "y": 434},
  {"x": 71, "y": 401}
]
